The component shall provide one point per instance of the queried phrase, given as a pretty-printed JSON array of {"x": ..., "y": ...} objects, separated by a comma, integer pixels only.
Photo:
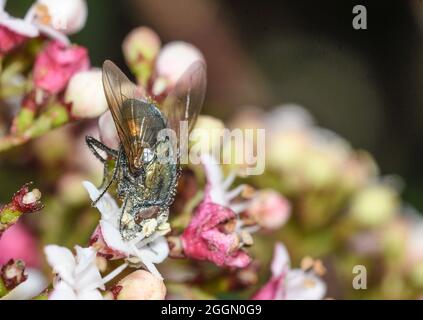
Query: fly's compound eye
[{"x": 147, "y": 155}]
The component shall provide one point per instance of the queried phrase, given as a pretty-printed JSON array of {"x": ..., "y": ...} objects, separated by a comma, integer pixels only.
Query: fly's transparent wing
[
  {"x": 137, "y": 120},
  {"x": 118, "y": 88},
  {"x": 185, "y": 101},
  {"x": 143, "y": 122}
]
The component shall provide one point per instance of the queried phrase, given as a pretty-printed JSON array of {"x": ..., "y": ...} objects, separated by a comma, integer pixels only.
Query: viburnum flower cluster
[
  {"x": 221, "y": 225},
  {"x": 325, "y": 198}
]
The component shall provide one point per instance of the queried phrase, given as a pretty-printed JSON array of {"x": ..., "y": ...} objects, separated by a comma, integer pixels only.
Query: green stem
[{"x": 54, "y": 116}]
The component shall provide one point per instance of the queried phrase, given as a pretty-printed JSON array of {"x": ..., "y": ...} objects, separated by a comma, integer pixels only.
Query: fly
[{"x": 146, "y": 163}]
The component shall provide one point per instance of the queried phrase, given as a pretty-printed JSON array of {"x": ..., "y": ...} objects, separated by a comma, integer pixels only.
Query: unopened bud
[
  {"x": 86, "y": 94},
  {"x": 140, "y": 48},
  {"x": 140, "y": 285},
  {"x": 31, "y": 197}
]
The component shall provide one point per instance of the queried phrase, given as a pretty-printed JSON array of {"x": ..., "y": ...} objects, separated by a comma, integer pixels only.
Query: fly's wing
[
  {"x": 118, "y": 88},
  {"x": 137, "y": 120},
  {"x": 185, "y": 101},
  {"x": 144, "y": 122}
]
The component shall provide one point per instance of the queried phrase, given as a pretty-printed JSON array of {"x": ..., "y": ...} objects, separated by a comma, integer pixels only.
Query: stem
[
  {"x": 7, "y": 92},
  {"x": 54, "y": 116}
]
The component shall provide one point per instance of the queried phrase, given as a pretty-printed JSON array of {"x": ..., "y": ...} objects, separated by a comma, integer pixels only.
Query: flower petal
[
  {"x": 63, "y": 291},
  {"x": 87, "y": 274},
  {"x": 304, "y": 286},
  {"x": 20, "y": 26},
  {"x": 272, "y": 290},
  {"x": 281, "y": 261},
  {"x": 156, "y": 251},
  {"x": 106, "y": 205},
  {"x": 90, "y": 295},
  {"x": 113, "y": 238},
  {"x": 53, "y": 33},
  {"x": 62, "y": 262}
]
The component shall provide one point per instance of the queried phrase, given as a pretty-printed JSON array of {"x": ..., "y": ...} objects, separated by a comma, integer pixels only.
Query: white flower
[
  {"x": 20, "y": 26},
  {"x": 173, "y": 60},
  {"x": 55, "y": 18},
  {"x": 298, "y": 284},
  {"x": 78, "y": 278},
  {"x": 146, "y": 250},
  {"x": 218, "y": 191},
  {"x": 218, "y": 186},
  {"x": 85, "y": 92},
  {"x": 52, "y": 18}
]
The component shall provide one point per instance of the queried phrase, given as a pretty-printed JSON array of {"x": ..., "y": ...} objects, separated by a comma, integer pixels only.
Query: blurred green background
[{"x": 364, "y": 84}]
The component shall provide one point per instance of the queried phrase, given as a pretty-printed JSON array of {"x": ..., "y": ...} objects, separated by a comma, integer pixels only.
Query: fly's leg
[
  {"x": 114, "y": 175},
  {"x": 93, "y": 144}
]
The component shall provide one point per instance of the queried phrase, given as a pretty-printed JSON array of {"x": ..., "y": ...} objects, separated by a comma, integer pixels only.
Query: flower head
[
  {"x": 26, "y": 200},
  {"x": 173, "y": 60},
  {"x": 374, "y": 205},
  {"x": 68, "y": 16},
  {"x": 269, "y": 209},
  {"x": 291, "y": 284},
  {"x": 57, "y": 18},
  {"x": 140, "y": 49},
  {"x": 18, "y": 243},
  {"x": 56, "y": 64},
  {"x": 147, "y": 250},
  {"x": 78, "y": 277},
  {"x": 215, "y": 233},
  {"x": 85, "y": 93},
  {"x": 157, "y": 68},
  {"x": 139, "y": 285}
]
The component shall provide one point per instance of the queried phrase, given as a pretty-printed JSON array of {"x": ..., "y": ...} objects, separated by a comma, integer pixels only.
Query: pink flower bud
[
  {"x": 86, "y": 94},
  {"x": 56, "y": 64},
  {"x": 174, "y": 59},
  {"x": 140, "y": 48},
  {"x": 9, "y": 40},
  {"x": 269, "y": 209},
  {"x": 18, "y": 243},
  {"x": 139, "y": 285}
]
